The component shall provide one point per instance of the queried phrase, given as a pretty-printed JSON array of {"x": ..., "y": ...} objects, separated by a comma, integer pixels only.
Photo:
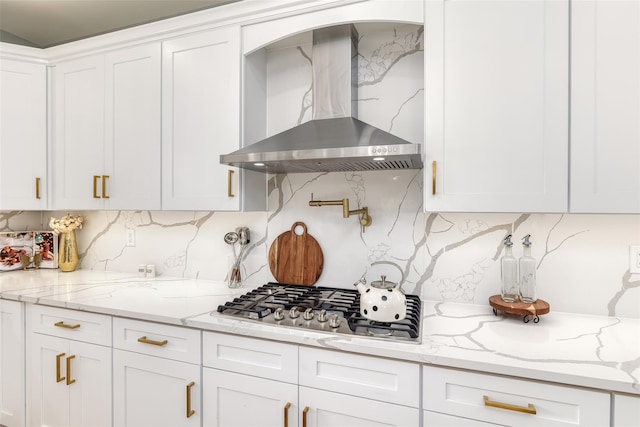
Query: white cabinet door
[
  {"x": 496, "y": 79},
  {"x": 327, "y": 409},
  {"x": 23, "y": 135},
  {"x": 626, "y": 410},
  {"x": 12, "y": 364},
  {"x": 200, "y": 120},
  {"x": 106, "y": 150},
  {"x": 435, "y": 419},
  {"x": 70, "y": 383},
  {"x": 234, "y": 399},
  {"x": 151, "y": 391},
  {"x": 132, "y": 131},
  {"x": 605, "y": 106},
  {"x": 78, "y": 145}
]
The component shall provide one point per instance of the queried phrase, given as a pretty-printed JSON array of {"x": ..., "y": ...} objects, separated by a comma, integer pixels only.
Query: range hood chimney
[{"x": 334, "y": 140}]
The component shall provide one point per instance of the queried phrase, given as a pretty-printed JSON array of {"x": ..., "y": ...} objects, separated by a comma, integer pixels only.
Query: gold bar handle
[
  {"x": 69, "y": 380},
  {"x": 145, "y": 340},
  {"x": 529, "y": 409},
  {"x": 38, "y": 188},
  {"x": 433, "y": 178},
  {"x": 304, "y": 416},
  {"x": 58, "y": 377},
  {"x": 61, "y": 324},
  {"x": 95, "y": 186},
  {"x": 104, "y": 186},
  {"x": 229, "y": 180},
  {"x": 190, "y": 411},
  {"x": 286, "y": 414}
]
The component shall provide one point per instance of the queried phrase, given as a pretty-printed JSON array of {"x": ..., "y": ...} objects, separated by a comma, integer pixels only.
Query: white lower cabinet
[
  {"x": 231, "y": 399},
  {"x": 626, "y": 411},
  {"x": 69, "y": 380},
  {"x": 322, "y": 408},
  {"x": 12, "y": 364},
  {"x": 509, "y": 401},
  {"x": 156, "y": 375},
  {"x": 436, "y": 419}
]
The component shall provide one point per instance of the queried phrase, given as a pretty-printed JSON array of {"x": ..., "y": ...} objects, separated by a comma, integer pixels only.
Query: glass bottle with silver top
[
  {"x": 527, "y": 266},
  {"x": 509, "y": 273}
]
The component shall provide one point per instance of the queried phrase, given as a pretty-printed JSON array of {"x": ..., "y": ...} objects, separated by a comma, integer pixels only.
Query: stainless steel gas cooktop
[{"x": 321, "y": 309}]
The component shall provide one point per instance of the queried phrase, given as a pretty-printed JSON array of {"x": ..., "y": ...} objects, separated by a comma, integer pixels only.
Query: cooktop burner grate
[{"x": 291, "y": 303}]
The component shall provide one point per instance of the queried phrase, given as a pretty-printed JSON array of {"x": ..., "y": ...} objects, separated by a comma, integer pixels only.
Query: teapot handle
[{"x": 396, "y": 266}]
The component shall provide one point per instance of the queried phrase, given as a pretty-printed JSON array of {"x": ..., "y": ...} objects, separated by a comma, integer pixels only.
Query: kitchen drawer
[
  {"x": 261, "y": 358},
  {"x": 72, "y": 324},
  {"x": 457, "y": 392},
  {"x": 155, "y": 339},
  {"x": 368, "y": 377}
]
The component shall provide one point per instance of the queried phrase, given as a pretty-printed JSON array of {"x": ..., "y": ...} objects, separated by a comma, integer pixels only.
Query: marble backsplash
[{"x": 582, "y": 260}]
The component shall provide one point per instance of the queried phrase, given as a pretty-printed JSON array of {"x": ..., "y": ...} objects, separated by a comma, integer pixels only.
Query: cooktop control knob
[
  {"x": 322, "y": 316},
  {"x": 308, "y": 314},
  {"x": 294, "y": 313},
  {"x": 334, "y": 321},
  {"x": 278, "y": 314}
]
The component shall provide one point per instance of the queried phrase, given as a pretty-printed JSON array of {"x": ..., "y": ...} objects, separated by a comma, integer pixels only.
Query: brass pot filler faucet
[{"x": 365, "y": 218}]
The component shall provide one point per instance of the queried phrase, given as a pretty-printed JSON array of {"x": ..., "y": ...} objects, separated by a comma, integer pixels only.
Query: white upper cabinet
[
  {"x": 605, "y": 107},
  {"x": 106, "y": 148},
  {"x": 496, "y": 90},
  {"x": 23, "y": 135},
  {"x": 200, "y": 120}
]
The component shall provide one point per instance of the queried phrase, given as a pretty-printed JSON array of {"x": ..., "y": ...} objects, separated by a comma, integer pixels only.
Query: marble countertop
[{"x": 590, "y": 351}]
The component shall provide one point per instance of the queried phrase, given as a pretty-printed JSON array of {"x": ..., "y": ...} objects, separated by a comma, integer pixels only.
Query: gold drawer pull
[
  {"x": 95, "y": 186},
  {"x": 229, "y": 179},
  {"x": 304, "y": 416},
  {"x": 69, "y": 380},
  {"x": 286, "y": 414},
  {"x": 529, "y": 409},
  {"x": 190, "y": 411},
  {"x": 37, "y": 188},
  {"x": 433, "y": 178},
  {"x": 61, "y": 324},
  {"x": 104, "y": 186},
  {"x": 58, "y": 377},
  {"x": 152, "y": 342}
]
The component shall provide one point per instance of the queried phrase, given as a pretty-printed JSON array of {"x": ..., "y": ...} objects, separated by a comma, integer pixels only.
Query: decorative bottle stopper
[
  {"x": 509, "y": 273},
  {"x": 527, "y": 266}
]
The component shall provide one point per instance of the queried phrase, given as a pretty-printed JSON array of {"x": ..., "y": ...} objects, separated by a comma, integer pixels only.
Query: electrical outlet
[
  {"x": 634, "y": 259},
  {"x": 131, "y": 237}
]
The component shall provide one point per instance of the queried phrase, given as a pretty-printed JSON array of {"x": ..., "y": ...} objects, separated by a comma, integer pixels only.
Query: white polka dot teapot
[{"x": 382, "y": 301}]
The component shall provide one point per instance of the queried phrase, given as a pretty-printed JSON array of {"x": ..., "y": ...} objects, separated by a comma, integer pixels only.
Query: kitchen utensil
[
  {"x": 296, "y": 259},
  {"x": 382, "y": 301},
  {"x": 243, "y": 237}
]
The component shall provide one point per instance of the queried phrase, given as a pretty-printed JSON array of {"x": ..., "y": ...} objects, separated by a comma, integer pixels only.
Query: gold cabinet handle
[
  {"x": 529, "y": 409},
  {"x": 38, "y": 188},
  {"x": 61, "y": 324},
  {"x": 58, "y": 377},
  {"x": 145, "y": 340},
  {"x": 95, "y": 186},
  {"x": 190, "y": 411},
  {"x": 69, "y": 380},
  {"x": 104, "y": 186},
  {"x": 304, "y": 416},
  {"x": 286, "y": 414},
  {"x": 229, "y": 180},
  {"x": 433, "y": 178}
]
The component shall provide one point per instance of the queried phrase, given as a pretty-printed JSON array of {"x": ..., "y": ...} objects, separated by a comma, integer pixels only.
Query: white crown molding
[
  {"x": 23, "y": 53},
  {"x": 240, "y": 13}
]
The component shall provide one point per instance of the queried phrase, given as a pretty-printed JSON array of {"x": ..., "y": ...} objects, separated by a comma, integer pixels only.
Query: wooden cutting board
[{"x": 296, "y": 259}]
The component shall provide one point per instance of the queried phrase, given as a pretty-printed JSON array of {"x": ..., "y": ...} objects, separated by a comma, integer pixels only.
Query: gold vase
[{"x": 68, "y": 251}]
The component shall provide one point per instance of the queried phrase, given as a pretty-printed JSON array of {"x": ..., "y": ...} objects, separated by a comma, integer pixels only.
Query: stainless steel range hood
[{"x": 333, "y": 141}]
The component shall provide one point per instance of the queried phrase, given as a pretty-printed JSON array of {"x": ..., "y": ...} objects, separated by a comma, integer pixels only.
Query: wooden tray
[{"x": 528, "y": 310}]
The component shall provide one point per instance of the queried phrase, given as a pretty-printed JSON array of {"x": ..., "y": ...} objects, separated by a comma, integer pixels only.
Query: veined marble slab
[{"x": 591, "y": 351}]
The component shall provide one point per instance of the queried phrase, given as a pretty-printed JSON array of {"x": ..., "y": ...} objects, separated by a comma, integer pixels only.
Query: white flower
[{"x": 66, "y": 223}]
